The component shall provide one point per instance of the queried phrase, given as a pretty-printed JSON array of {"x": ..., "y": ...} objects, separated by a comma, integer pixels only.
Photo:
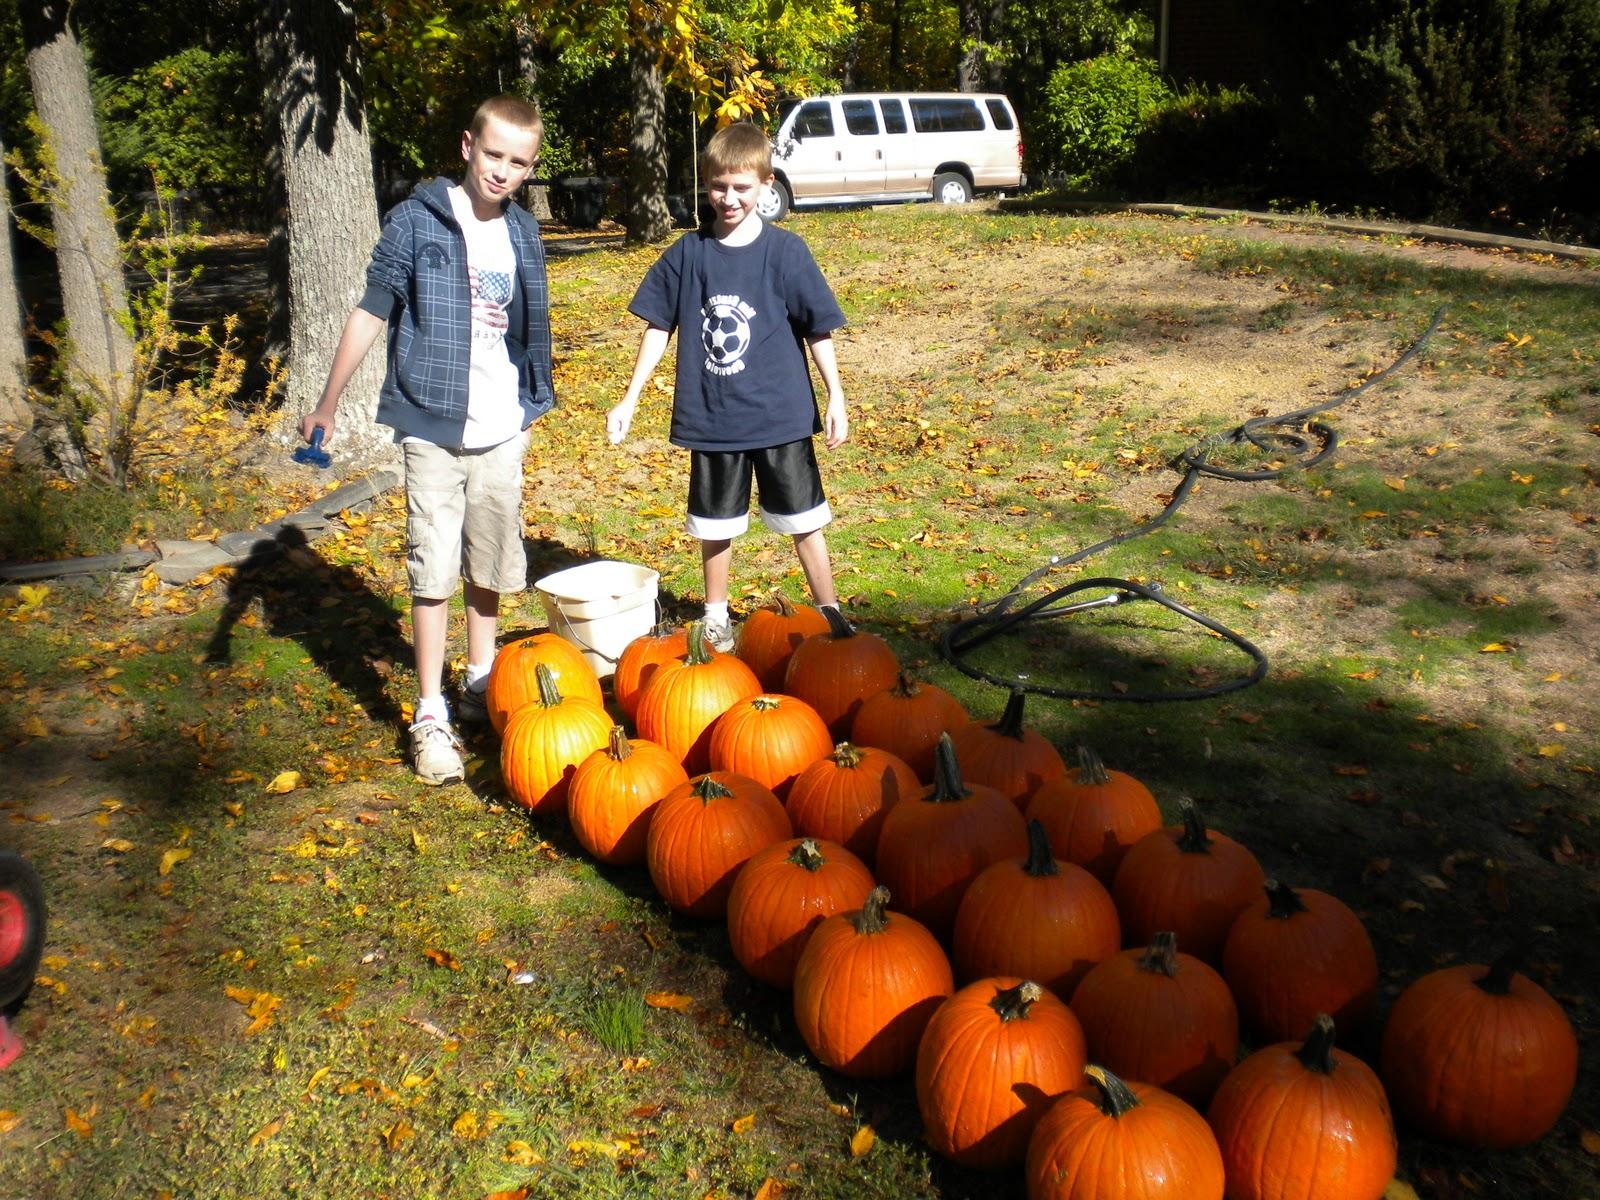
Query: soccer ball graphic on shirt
[{"x": 725, "y": 333}]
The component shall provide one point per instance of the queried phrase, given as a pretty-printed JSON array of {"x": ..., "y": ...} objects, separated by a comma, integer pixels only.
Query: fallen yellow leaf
[
  {"x": 1587, "y": 1138},
  {"x": 466, "y": 1126},
  {"x": 398, "y": 1134},
  {"x": 676, "y": 1001},
  {"x": 120, "y": 845},
  {"x": 442, "y": 958},
  {"x": 172, "y": 858},
  {"x": 520, "y": 1154},
  {"x": 745, "y": 1123},
  {"x": 317, "y": 1077},
  {"x": 1494, "y": 648},
  {"x": 1551, "y": 750},
  {"x": 34, "y": 727},
  {"x": 266, "y": 1132},
  {"x": 864, "y": 1140},
  {"x": 1399, "y": 1190},
  {"x": 283, "y": 783},
  {"x": 9, "y": 1119},
  {"x": 78, "y": 1125}
]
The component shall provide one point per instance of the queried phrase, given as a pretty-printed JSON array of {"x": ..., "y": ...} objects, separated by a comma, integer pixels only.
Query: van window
[
  {"x": 946, "y": 116},
  {"x": 999, "y": 114},
  {"x": 894, "y": 116},
  {"x": 860, "y": 117},
  {"x": 814, "y": 120}
]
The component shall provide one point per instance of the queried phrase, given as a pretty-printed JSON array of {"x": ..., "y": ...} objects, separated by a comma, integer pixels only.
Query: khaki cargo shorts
[{"x": 464, "y": 518}]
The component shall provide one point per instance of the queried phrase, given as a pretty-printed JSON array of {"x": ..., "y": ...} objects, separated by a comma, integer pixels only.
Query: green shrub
[
  {"x": 1202, "y": 145},
  {"x": 1093, "y": 113},
  {"x": 193, "y": 118}
]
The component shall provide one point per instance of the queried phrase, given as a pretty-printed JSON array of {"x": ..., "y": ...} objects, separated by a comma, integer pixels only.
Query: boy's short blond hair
[
  {"x": 740, "y": 147},
  {"x": 513, "y": 110}
]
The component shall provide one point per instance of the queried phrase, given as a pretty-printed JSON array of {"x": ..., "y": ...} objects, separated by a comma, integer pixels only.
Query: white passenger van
[{"x": 859, "y": 148}]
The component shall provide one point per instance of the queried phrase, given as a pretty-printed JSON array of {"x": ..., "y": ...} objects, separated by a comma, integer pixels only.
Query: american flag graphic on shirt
[{"x": 491, "y": 295}]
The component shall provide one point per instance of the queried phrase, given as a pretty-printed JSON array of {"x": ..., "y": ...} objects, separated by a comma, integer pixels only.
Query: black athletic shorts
[{"x": 790, "y": 490}]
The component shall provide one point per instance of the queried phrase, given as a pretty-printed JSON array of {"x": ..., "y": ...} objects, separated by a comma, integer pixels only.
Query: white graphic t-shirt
[{"x": 493, "y": 413}]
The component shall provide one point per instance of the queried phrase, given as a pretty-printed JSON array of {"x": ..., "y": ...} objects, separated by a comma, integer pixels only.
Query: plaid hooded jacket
[{"x": 417, "y": 282}]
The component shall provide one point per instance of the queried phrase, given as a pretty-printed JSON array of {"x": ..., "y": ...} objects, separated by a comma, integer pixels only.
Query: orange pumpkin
[
  {"x": 703, "y": 832},
  {"x": 783, "y": 893},
  {"x": 1122, "y": 1141},
  {"x": 1006, "y": 755},
  {"x": 1305, "y": 1122},
  {"x": 1162, "y": 1017},
  {"x": 1480, "y": 1055},
  {"x": 770, "y": 635},
  {"x": 906, "y": 720},
  {"x": 769, "y": 738},
  {"x": 865, "y": 987},
  {"x": 994, "y": 1057},
  {"x": 545, "y": 741},
  {"x": 844, "y": 796},
  {"x": 685, "y": 696},
  {"x": 933, "y": 847},
  {"x": 513, "y": 681},
  {"x": 1189, "y": 879},
  {"x": 613, "y": 793},
  {"x": 639, "y": 661},
  {"x": 1035, "y": 918},
  {"x": 835, "y": 671},
  {"x": 1294, "y": 953},
  {"x": 1094, "y": 815}
]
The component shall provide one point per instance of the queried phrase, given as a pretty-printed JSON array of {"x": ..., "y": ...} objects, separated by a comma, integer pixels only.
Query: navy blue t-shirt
[{"x": 744, "y": 312}]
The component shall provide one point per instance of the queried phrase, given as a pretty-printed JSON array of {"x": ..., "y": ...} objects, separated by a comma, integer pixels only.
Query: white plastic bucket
[{"x": 600, "y": 607}]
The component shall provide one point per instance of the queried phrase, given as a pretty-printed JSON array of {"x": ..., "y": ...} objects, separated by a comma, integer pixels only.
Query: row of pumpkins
[{"x": 1009, "y": 870}]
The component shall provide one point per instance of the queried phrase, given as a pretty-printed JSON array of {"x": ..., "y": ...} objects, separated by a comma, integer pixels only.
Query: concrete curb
[{"x": 1426, "y": 233}]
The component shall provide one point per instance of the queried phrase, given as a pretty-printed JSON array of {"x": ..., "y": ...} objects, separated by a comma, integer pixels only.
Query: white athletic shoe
[{"x": 436, "y": 753}]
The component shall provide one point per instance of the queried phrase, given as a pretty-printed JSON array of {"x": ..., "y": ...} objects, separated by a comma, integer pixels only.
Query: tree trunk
[
  {"x": 313, "y": 80},
  {"x": 527, "y": 40},
  {"x": 88, "y": 253},
  {"x": 648, "y": 218},
  {"x": 994, "y": 64},
  {"x": 969, "y": 66},
  {"x": 15, "y": 417}
]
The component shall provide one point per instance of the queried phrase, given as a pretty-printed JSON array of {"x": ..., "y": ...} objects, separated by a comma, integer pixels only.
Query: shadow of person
[{"x": 350, "y": 632}]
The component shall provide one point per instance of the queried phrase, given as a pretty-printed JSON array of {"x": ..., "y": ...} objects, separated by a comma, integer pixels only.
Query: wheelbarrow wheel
[{"x": 21, "y": 928}]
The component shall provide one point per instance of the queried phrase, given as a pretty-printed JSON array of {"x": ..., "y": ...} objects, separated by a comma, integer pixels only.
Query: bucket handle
[{"x": 598, "y": 653}]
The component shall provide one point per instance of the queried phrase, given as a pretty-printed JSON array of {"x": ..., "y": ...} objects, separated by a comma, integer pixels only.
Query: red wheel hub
[{"x": 13, "y": 928}]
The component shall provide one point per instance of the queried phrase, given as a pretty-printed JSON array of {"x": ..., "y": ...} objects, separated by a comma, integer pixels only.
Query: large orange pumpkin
[
  {"x": 1035, "y": 918},
  {"x": 545, "y": 741},
  {"x": 702, "y": 832},
  {"x": 513, "y": 681},
  {"x": 1162, "y": 1017},
  {"x": 1189, "y": 879},
  {"x": 1007, "y": 755},
  {"x": 1305, "y": 1122},
  {"x": 906, "y": 720},
  {"x": 1122, "y": 1141},
  {"x": 639, "y": 661},
  {"x": 782, "y": 894},
  {"x": 865, "y": 987},
  {"x": 994, "y": 1057},
  {"x": 835, "y": 671},
  {"x": 1294, "y": 953},
  {"x": 1093, "y": 815},
  {"x": 770, "y": 635},
  {"x": 933, "y": 847},
  {"x": 843, "y": 797},
  {"x": 1480, "y": 1055},
  {"x": 685, "y": 696},
  {"x": 769, "y": 738},
  {"x": 614, "y": 791}
]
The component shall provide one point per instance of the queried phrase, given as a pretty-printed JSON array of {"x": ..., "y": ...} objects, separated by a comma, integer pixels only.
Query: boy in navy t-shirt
[{"x": 742, "y": 401}]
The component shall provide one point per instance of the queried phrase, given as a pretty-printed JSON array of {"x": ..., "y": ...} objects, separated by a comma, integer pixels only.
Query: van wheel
[
  {"x": 951, "y": 188},
  {"x": 774, "y": 202},
  {"x": 21, "y": 927}
]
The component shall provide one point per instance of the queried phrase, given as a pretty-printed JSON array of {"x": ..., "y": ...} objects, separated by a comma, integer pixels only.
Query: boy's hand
[
  {"x": 835, "y": 424},
  {"x": 314, "y": 420},
  {"x": 619, "y": 420}
]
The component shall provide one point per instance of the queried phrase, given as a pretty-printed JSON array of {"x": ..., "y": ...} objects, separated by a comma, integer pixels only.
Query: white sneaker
[
  {"x": 719, "y": 636},
  {"x": 436, "y": 753}
]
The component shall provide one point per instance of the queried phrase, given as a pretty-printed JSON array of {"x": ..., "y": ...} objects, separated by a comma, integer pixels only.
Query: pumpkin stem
[
  {"x": 1091, "y": 771},
  {"x": 1160, "y": 957},
  {"x": 1116, "y": 1097},
  {"x": 873, "y": 917},
  {"x": 549, "y": 694},
  {"x": 837, "y": 625},
  {"x": 709, "y": 788},
  {"x": 699, "y": 653},
  {"x": 618, "y": 748},
  {"x": 906, "y": 687},
  {"x": 1010, "y": 722},
  {"x": 1283, "y": 901},
  {"x": 1498, "y": 981},
  {"x": 1194, "y": 839},
  {"x": 1041, "y": 863},
  {"x": 783, "y": 605},
  {"x": 846, "y": 756},
  {"x": 766, "y": 703},
  {"x": 1316, "y": 1052},
  {"x": 1013, "y": 1003},
  {"x": 808, "y": 855},
  {"x": 947, "y": 785}
]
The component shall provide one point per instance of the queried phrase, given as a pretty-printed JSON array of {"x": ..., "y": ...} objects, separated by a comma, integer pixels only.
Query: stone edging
[{"x": 179, "y": 562}]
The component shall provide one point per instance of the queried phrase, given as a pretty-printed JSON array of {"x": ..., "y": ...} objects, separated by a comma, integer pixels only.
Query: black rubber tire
[
  {"x": 775, "y": 202},
  {"x": 951, "y": 188},
  {"x": 21, "y": 913}
]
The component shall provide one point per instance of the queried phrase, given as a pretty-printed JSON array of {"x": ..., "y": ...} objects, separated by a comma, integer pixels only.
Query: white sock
[
  {"x": 432, "y": 706},
  {"x": 717, "y": 614},
  {"x": 477, "y": 677}
]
